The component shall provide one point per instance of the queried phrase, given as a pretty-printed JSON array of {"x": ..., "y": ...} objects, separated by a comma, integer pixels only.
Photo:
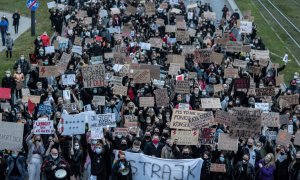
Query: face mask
[
  {"x": 94, "y": 142},
  {"x": 250, "y": 146},
  {"x": 222, "y": 159},
  {"x": 39, "y": 87},
  {"x": 147, "y": 137},
  {"x": 294, "y": 119},
  {"x": 98, "y": 150},
  {"x": 282, "y": 153},
  {"x": 7, "y": 75},
  {"x": 76, "y": 147},
  {"x": 123, "y": 145},
  {"x": 119, "y": 136},
  {"x": 19, "y": 72},
  {"x": 245, "y": 162},
  {"x": 46, "y": 62},
  {"x": 135, "y": 149},
  {"x": 22, "y": 58},
  {"x": 54, "y": 157},
  {"x": 155, "y": 141},
  {"x": 14, "y": 155},
  {"x": 185, "y": 154}
]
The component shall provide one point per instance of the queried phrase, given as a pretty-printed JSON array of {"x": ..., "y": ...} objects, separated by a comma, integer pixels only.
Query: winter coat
[
  {"x": 265, "y": 173},
  {"x": 151, "y": 150}
]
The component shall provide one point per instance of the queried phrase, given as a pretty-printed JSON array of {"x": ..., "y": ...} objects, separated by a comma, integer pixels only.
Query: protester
[
  {"x": 3, "y": 29},
  {"x": 9, "y": 46},
  {"x": 16, "y": 19}
]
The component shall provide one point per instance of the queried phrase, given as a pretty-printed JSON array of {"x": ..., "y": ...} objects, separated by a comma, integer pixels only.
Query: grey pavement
[{"x": 24, "y": 25}]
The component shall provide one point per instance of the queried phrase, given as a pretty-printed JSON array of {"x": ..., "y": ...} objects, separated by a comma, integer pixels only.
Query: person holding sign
[
  {"x": 121, "y": 168},
  {"x": 36, "y": 152},
  {"x": 76, "y": 159}
]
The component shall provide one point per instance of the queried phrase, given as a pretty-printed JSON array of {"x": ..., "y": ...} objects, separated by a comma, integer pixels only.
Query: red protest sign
[{"x": 5, "y": 93}]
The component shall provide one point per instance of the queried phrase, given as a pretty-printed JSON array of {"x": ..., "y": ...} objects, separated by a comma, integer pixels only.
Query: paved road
[
  {"x": 217, "y": 6},
  {"x": 23, "y": 27}
]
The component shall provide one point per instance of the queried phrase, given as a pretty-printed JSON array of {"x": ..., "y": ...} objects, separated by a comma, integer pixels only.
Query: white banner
[
  {"x": 148, "y": 168},
  {"x": 102, "y": 120}
]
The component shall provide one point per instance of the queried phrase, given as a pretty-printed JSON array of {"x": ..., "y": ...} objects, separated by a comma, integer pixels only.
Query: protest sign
[
  {"x": 149, "y": 167},
  {"x": 297, "y": 139},
  {"x": 182, "y": 87},
  {"x": 170, "y": 28},
  {"x": 102, "y": 120},
  {"x": 284, "y": 119},
  {"x": 191, "y": 32},
  {"x": 32, "y": 98},
  {"x": 177, "y": 59},
  {"x": 271, "y": 135},
  {"x": 247, "y": 122},
  {"x": 182, "y": 36},
  {"x": 268, "y": 91},
  {"x": 77, "y": 41},
  {"x": 181, "y": 25},
  {"x": 156, "y": 42},
  {"x": 234, "y": 46},
  {"x": 73, "y": 124},
  {"x": 192, "y": 75},
  {"x": 217, "y": 168},
  {"x": 225, "y": 142},
  {"x": 208, "y": 103},
  {"x": 240, "y": 63},
  {"x": 141, "y": 76},
  {"x": 283, "y": 138},
  {"x": 146, "y": 46},
  {"x": 259, "y": 54},
  {"x": 290, "y": 129},
  {"x": 241, "y": 83},
  {"x": 291, "y": 99},
  {"x": 207, "y": 136},
  {"x": 96, "y": 60},
  {"x": 51, "y": 4},
  {"x": 146, "y": 102},
  {"x": 224, "y": 117},
  {"x": 77, "y": 49},
  {"x": 5, "y": 93},
  {"x": 11, "y": 135},
  {"x": 97, "y": 133},
  {"x": 150, "y": 8},
  {"x": 188, "y": 49},
  {"x": 181, "y": 118},
  {"x": 185, "y": 137},
  {"x": 231, "y": 73},
  {"x": 202, "y": 56},
  {"x": 161, "y": 97},
  {"x": 174, "y": 69},
  {"x": 216, "y": 57},
  {"x": 121, "y": 132},
  {"x": 68, "y": 79},
  {"x": 154, "y": 70},
  {"x": 93, "y": 75},
  {"x": 270, "y": 119},
  {"x": 49, "y": 49},
  {"x": 43, "y": 127},
  {"x": 218, "y": 88},
  {"x": 209, "y": 15},
  {"x": 48, "y": 71},
  {"x": 246, "y": 27},
  {"x": 246, "y": 48},
  {"x": 120, "y": 90},
  {"x": 63, "y": 63},
  {"x": 44, "y": 109},
  {"x": 202, "y": 120},
  {"x": 70, "y": 108},
  {"x": 158, "y": 83},
  {"x": 115, "y": 11},
  {"x": 130, "y": 121},
  {"x": 262, "y": 106},
  {"x": 279, "y": 80},
  {"x": 183, "y": 106},
  {"x": 116, "y": 80}
]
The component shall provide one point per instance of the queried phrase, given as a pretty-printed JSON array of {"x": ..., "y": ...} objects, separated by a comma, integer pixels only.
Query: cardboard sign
[
  {"x": 217, "y": 168},
  {"x": 161, "y": 97},
  {"x": 203, "y": 120},
  {"x": 121, "y": 132},
  {"x": 182, "y": 87},
  {"x": 202, "y": 56},
  {"x": 93, "y": 75},
  {"x": 99, "y": 100},
  {"x": 268, "y": 91},
  {"x": 225, "y": 142},
  {"x": 283, "y": 138},
  {"x": 77, "y": 41},
  {"x": 218, "y": 88},
  {"x": 271, "y": 135},
  {"x": 224, "y": 117},
  {"x": 207, "y": 136},
  {"x": 32, "y": 98},
  {"x": 188, "y": 49},
  {"x": 209, "y": 15},
  {"x": 210, "y": 103},
  {"x": 43, "y": 127},
  {"x": 291, "y": 99},
  {"x": 185, "y": 137},
  {"x": 246, "y": 48},
  {"x": 102, "y": 120},
  {"x": 70, "y": 108},
  {"x": 181, "y": 118},
  {"x": 181, "y": 25},
  {"x": 5, "y": 93},
  {"x": 146, "y": 101},
  {"x": 279, "y": 80},
  {"x": 48, "y": 71},
  {"x": 234, "y": 46},
  {"x": 130, "y": 121},
  {"x": 191, "y": 32},
  {"x": 97, "y": 133},
  {"x": 260, "y": 54},
  {"x": 297, "y": 139},
  {"x": 176, "y": 59},
  {"x": 63, "y": 63},
  {"x": 216, "y": 57},
  {"x": 174, "y": 69},
  {"x": 120, "y": 90},
  {"x": 182, "y": 36},
  {"x": 231, "y": 73},
  {"x": 270, "y": 119},
  {"x": 154, "y": 70},
  {"x": 116, "y": 80},
  {"x": 68, "y": 79},
  {"x": 77, "y": 49},
  {"x": 240, "y": 63},
  {"x": 284, "y": 119},
  {"x": 156, "y": 42},
  {"x": 150, "y": 8},
  {"x": 246, "y": 27},
  {"x": 247, "y": 122},
  {"x": 141, "y": 76},
  {"x": 241, "y": 83},
  {"x": 262, "y": 106},
  {"x": 11, "y": 135},
  {"x": 170, "y": 28}
]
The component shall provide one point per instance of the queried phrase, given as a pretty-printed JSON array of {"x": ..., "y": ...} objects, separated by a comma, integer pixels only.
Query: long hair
[{"x": 272, "y": 160}]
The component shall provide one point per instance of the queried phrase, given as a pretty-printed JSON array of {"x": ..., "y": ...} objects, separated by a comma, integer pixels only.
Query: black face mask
[
  {"x": 134, "y": 135},
  {"x": 147, "y": 138},
  {"x": 250, "y": 146},
  {"x": 282, "y": 153},
  {"x": 185, "y": 154},
  {"x": 166, "y": 134}
]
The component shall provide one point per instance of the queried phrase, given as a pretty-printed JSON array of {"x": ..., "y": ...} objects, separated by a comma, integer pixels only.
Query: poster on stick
[
  {"x": 185, "y": 137},
  {"x": 43, "y": 127}
]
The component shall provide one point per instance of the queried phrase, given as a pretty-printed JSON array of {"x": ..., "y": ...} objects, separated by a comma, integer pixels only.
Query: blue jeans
[
  {"x": 3, "y": 36},
  {"x": 15, "y": 178}
]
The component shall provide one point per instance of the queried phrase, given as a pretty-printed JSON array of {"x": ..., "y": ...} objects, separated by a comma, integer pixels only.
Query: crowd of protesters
[{"x": 42, "y": 156}]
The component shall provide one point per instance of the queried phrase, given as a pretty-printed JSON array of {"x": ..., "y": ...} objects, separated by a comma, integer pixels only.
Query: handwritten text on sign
[{"x": 43, "y": 127}]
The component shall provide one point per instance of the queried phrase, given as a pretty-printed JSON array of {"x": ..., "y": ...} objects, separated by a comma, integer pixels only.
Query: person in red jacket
[{"x": 45, "y": 39}]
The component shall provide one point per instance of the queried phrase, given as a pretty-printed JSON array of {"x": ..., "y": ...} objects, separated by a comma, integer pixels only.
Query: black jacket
[
  {"x": 25, "y": 66},
  {"x": 116, "y": 175},
  {"x": 151, "y": 150},
  {"x": 98, "y": 162},
  {"x": 9, "y": 82}
]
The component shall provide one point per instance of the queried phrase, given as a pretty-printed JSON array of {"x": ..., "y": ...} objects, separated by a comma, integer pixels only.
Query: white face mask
[
  {"x": 76, "y": 147},
  {"x": 7, "y": 75},
  {"x": 54, "y": 157},
  {"x": 22, "y": 58}
]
